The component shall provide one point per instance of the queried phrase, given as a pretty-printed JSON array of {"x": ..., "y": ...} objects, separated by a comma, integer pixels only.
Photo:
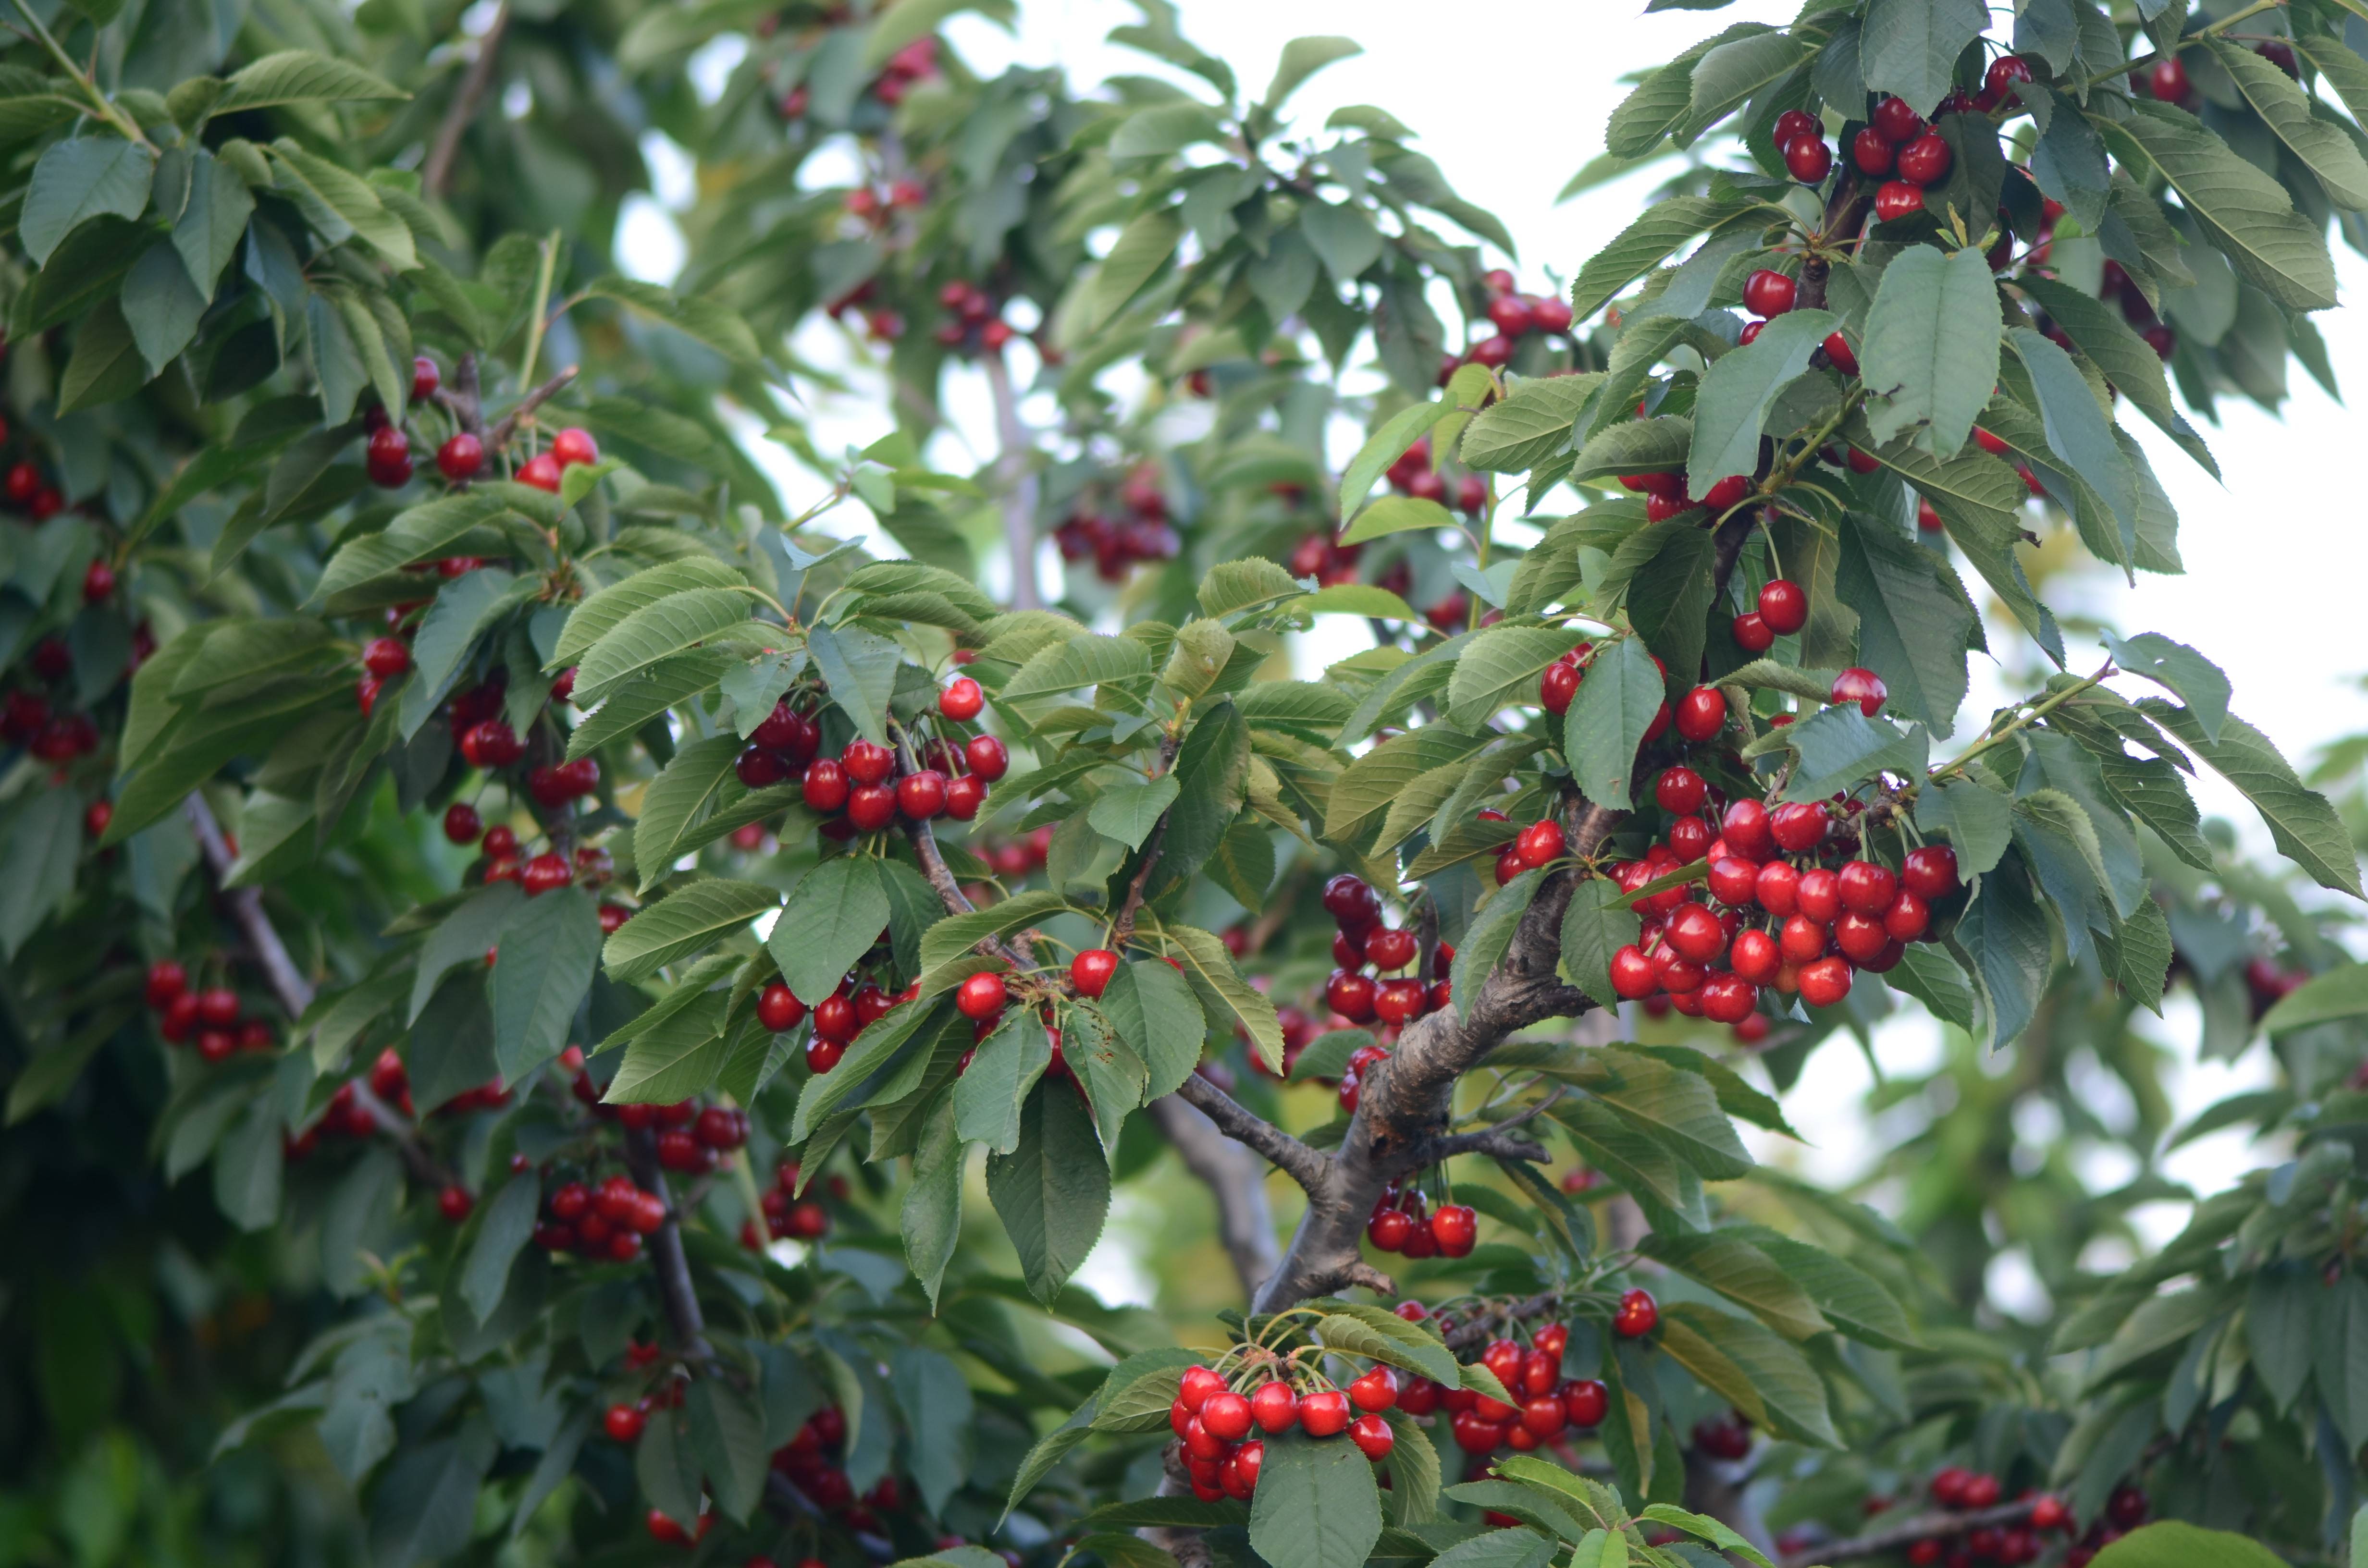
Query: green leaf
[
  {"x": 2302, "y": 825},
  {"x": 1658, "y": 444},
  {"x": 988, "y": 1098},
  {"x": 834, "y": 915},
  {"x": 2244, "y": 212},
  {"x": 1090, "y": 659},
  {"x": 1397, "y": 513},
  {"x": 248, "y": 1168},
  {"x": 2078, "y": 431},
  {"x": 1737, "y": 1269},
  {"x": 2169, "y": 1543},
  {"x": 860, "y": 667},
  {"x": 461, "y": 936},
  {"x": 296, "y": 77},
  {"x": 930, "y": 1221},
  {"x": 425, "y": 1508},
  {"x": 1153, "y": 1010},
  {"x": 873, "y": 1047},
  {"x": 2068, "y": 164},
  {"x": 77, "y": 180},
  {"x": 954, "y": 937},
  {"x": 1316, "y": 1506},
  {"x": 678, "y": 1056},
  {"x": 1703, "y": 1527},
  {"x": 106, "y": 364},
  {"x": 727, "y": 1434},
  {"x": 1670, "y": 576},
  {"x": 1142, "y": 249},
  {"x": 1615, "y": 706},
  {"x": 1909, "y": 48},
  {"x": 1677, "y": 1108},
  {"x": 1733, "y": 73},
  {"x": 1501, "y": 665},
  {"x": 1757, "y": 1372},
  {"x": 598, "y": 615},
  {"x": 2340, "y": 993},
  {"x": 1342, "y": 237},
  {"x": 161, "y": 306},
  {"x": 1641, "y": 246},
  {"x": 543, "y": 970},
  {"x": 1053, "y": 1191},
  {"x": 1489, "y": 936},
  {"x": 2125, "y": 359},
  {"x": 690, "y": 919},
  {"x": 2179, "y": 669},
  {"x": 1237, "y": 584},
  {"x": 1976, "y": 821},
  {"x": 341, "y": 204},
  {"x": 1222, "y": 991},
  {"x": 463, "y": 612},
  {"x": 1302, "y": 58},
  {"x": 1369, "y": 786},
  {"x": 1841, "y": 748},
  {"x": 2285, "y": 108},
  {"x": 1931, "y": 348},
  {"x": 1384, "y": 447},
  {"x": 501, "y": 1235},
  {"x": 1914, "y": 620},
  {"x": 1737, "y": 395},
  {"x": 1377, "y": 1333},
  {"x": 1128, "y": 812},
  {"x": 657, "y": 632},
  {"x": 1851, "y": 1299},
  {"x": 2003, "y": 938},
  {"x": 1532, "y": 424}
]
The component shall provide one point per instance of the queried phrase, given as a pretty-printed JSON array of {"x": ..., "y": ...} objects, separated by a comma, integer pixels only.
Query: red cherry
[
  {"x": 1324, "y": 1413},
  {"x": 624, "y": 1423},
  {"x": 2167, "y": 83},
  {"x": 1734, "y": 882},
  {"x": 1839, "y": 354},
  {"x": 1388, "y": 1230},
  {"x": 1819, "y": 894},
  {"x": 1550, "y": 315},
  {"x": 1377, "y": 1390},
  {"x": 1825, "y": 981},
  {"x": 963, "y": 797},
  {"x": 545, "y": 873},
  {"x": 460, "y": 457},
  {"x": 1695, "y": 933},
  {"x": 825, "y": 787},
  {"x": 1388, "y": 949},
  {"x": 454, "y": 1203},
  {"x": 1801, "y": 939},
  {"x": 1930, "y": 873},
  {"x": 1751, "y": 333},
  {"x": 1994, "y": 444},
  {"x": 572, "y": 446},
  {"x": 1866, "y": 886},
  {"x": 1636, "y": 1315},
  {"x": 1557, "y": 685},
  {"x": 1726, "y": 492},
  {"x": 1793, "y": 124},
  {"x": 461, "y": 824},
  {"x": 1373, "y": 1437},
  {"x": 867, "y": 763},
  {"x": 540, "y": 472},
  {"x": 1862, "y": 686},
  {"x": 1755, "y": 958},
  {"x": 1455, "y": 1228},
  {"x": 987, "y": 757},
  {"x": 1908, "y": 918},
  {"x": 921, "y": 795},
  {"x": 387, "y": 457},
  {"x": 1798, "y": 826},
  {"x": 1809, "y": 159},
  {"x": 1540, "y": 844},
  {"x": 1768, "y": 292},
  {"x": 1586, "y": 1402},
  {"x": 1778, "y": 888},
  {"x": 1872, "y": 152},
  {"x": 981, "y": 996},
  {"x": 1925, "y": 161},
  {"x": 1226, "y": 1414},
  {"x": 1745, "y": 829},
  {"x": 1897, "y": 199},
  {"x": 1510, "y": 314},
  {"x": 1751, "y": 634},
  {"x": 871, "y": 807},
  {"x": 1859, "y": 936},
  {"x": 1702, "y": 713},
  {"x": 962, "y": 699},
  {"x": 1351, "y": 995},
  {"x": 779, "y": 1009},
  {"x": 1680, "y": 789},
  {"x": 1401, "y": 1001},
  {"x": 1632, "y": 973},
  {"x": 1896, "y": 121}
]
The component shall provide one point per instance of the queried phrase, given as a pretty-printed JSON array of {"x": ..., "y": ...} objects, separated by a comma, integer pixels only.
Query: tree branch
[
  {"x": 1493, "y": 1141},
  {"x": 667, "y": 1259},
  {"x": 1235, "y": 1178},
  {"x": 1019, "y": 953},
  {"x": 436, "y": 174},
  {"x": 1907, "y": 1532},
  {"x": 1311, "y": 1168},
  {"x": 499, "y": 436},
  {"x": 1018, "y": 476}
]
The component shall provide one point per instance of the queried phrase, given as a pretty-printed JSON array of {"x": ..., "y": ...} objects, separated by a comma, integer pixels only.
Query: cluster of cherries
[
  {"x": 1812, "y": 924},
  {"x": 535, "y": 874},
  {"x": 787, "y": 1216},
  {"x": 212, "y": 1017},
  {"x": 1960, "y": 1490},
  {"x": 917, "y": 61},
  {"x": 1514, "y": 316},
  {"x": 1398, "y": 1223},
  {"x": 27, "y": 719},
  {"x": 386, "y": 456},
  {"x": 813, "y": 1461},
  {"x": 1362, "y": 939},
  {"x": 855, "y": 1005},
  {"x": 858, "y": 782},
  {"x": 1213, "y": 1415},
  {"x": 1115, "y": 544},
  {"x": 345, "y": 1116},
  {"x": 973, "y": 324},
  {"x": 28, "y": 490}
]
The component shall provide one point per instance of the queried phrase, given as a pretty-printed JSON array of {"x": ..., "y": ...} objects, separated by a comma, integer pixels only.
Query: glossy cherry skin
[
  {"x": 1751, "y": 634},
  {"x": 871, "y": 807},
  {"x": 1930, "y": 873},
  {"x": 1798, "y": 826},
  {"x": 1784, "y": 605},
  {"x": 1091, "y": 970},
  {"x": 1908, "y": 918},
  {"x": 1820, "y": 895},
  {"x": 962, "y": 699},
  {"x": 825, "y": 787},
  {"x": 1324, "y": 1413},
  {"x": 1777, "y": 888},
  {"x": 987, "y": 757},
  {"x": 1455, "y": 1227},
  {"x": 1866, "y": 886},
  {"x": 867, "y": 763},
  {"x": 1862, "y": 686},
  {"x": 1586, "y": 1402},
  {"x": 1825, "y": 981},
  {"x": 1872, "y": 152},
  {"x": 1898, "y": 120},
  {"x": 1556, "y": 687},
  {"x": 1809, "y": 159},
  {"x": 1632, "y": 973},
  {"x": 1636, "y": 1316},
  {"x": 1839, "y": 354},
  {"x": 1792, "y": 124},
  {"x": 1926, "y": 160},
  {"x": 1680, "y": 789},
  {"x": 1702, "y": 713},
  {"x": 981, "y": 996},
  {"x": 1744, "y": 828},
  {"x": 1769, "y": 292},
  {"x": 779, "y": 1009},
  {"x": 1897, "y": 199}
]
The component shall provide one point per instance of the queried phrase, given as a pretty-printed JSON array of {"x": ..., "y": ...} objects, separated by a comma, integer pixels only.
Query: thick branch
[
  {"x": 1493, "y": 1142},
  {"x": 499, "y": 436},
  {"x": 1309, "y": 1167},
  {"x": 436, "y": 174},
  {"x": 1235, "y": 1178},
  {"x": 1908, "y": 1532},
  {"x": 1018, "y": 477},
  {"x": 667, "y": 1259}
]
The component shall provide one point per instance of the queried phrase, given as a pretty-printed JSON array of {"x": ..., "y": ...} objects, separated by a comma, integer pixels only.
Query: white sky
[{"x": 1509, "y": 107}]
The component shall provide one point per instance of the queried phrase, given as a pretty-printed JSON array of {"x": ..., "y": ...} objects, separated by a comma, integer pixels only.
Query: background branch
[
  {"x": 436, "y": 174},
  {"x": 1908, "y": 1532},
  {"x": 1235, "y": 1178},
  {"x": 1311, "y": 1168},
  {"x": 1017, "y": 474},
  {"x": 667, "y": 1260},
  {"x": 499, "y": 436}
]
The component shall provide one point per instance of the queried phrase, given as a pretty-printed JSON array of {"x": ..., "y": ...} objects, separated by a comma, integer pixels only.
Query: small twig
[
  {"x": 463, "y": 399},
  {"x": 1018, "y": 476},
  {"x": 667, "y": 1259},
  {"x": 1019, "y": 953},
  {"x": 507, "y": 427},
  {"x": 436, "y": 174},
  {"x": 1305, "y": 1166},
  {"x": 1907, "y": 1532},
  {"x": 1490, "y": 1141},
  {"x": 1471, "y": 1333}
]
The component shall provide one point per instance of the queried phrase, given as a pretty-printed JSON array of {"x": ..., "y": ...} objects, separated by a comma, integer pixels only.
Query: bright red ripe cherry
[
  {"x": 962, "y": 699},
  {"x": 1550, "y": 315},
  {"x": 1680, "y": 789},
  {"x": 541, "y": 472},
  {"x": 871, "y": 807},
  {"x": 1825, "y": 981},
  {"x": 1897, "y": 199},
  {"x": 454, "y": 1203},
  {"x": 1702, "y": 713},
  {"x": 1755, "y": 957},
  {"x": 1872, "y": 152},
  {"x": 1401, "y": 1001},
  {"x": 867, "y": 763},
  {"x": 1898, "y": 120},
  {"x": 1324, "y": 1413},
  {"x": 1839, "y": 354},
  {"x": 167, "y": 983},
  {"x": 1388, "y": 949},
  {"x": 1373, "y": 1437},
  {"x": 1510, "y": 314},
  {"x": 1751, "y": 634},
  {"x": 1908, "y": 918},
  {"x": 490, "y": 743},
  {"x": 921, "y": 795},
  {"x": 1744, "y": 828},
  {"x": 1778, "y": 888},
  {"x": 572, "y": 446},
  {"x": 1859, "y": 936},
  {"x": 1226, "y": 1414},
  {"x": 388, "y": 458},
  {"x": 1586, "y": 1402},
  {"x": 1557, "y": 685},
  {"x": 1768, "y": 292},
  {"x": 1455, "y": 1227},
  {"x": 1862, "y": 686},
  {"x": 822, "y": 1054},
  {"x": 1727, "y": 491},
  {"x": 1540, "y": 844},
  {"x": 1866, "y": 886},
  {"x": 779, "y": 1009},
  {"x": 825, "y": 787},
  {"x": 1751, "y": 333},
  {"x": 623, "y": 1423},
  {"x": 1734, "y": 882},
  {"x": 963, "y": 797},
  {"x": 1274, "y": 1407},
  {"x": 1809, "y": 159},
  {"x": 981, "y": 996},
  {"x": 1632, "y": 973},
  {"x": 460, "y": 458},
  {"x": 1377, "y": 1390},
  {"x": 1801, "y": 939},
  {"x": 987, "y": 757},
  {"x": 2048, "y": 1513},
  {"x": 1926, "y": 160},
  {"x": 1793, "y": 124},
  {"x": 424, "y": 379},
  {"x": 1695, "y": 932},
  {"x": 545, "y": 873},
  {"x": 386, "y": 656},
  {"x": 1199, "y": 1383},
  {"x": 1930, "y": 873},
  {"x": 1351, "y": 995},
  {"x": 1798, "y": 826},
  {"x": 1637, "y": 1314},
  {"x": 2167, "y": 83},
  {"x": 1090, "y": 971},
  {"x": 759, "y": 769},
  {"x": 1819, "y": 895}
]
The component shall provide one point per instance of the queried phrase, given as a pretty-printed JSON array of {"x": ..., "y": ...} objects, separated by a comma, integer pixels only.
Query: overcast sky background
[{"x": 1510, "y": 106}]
